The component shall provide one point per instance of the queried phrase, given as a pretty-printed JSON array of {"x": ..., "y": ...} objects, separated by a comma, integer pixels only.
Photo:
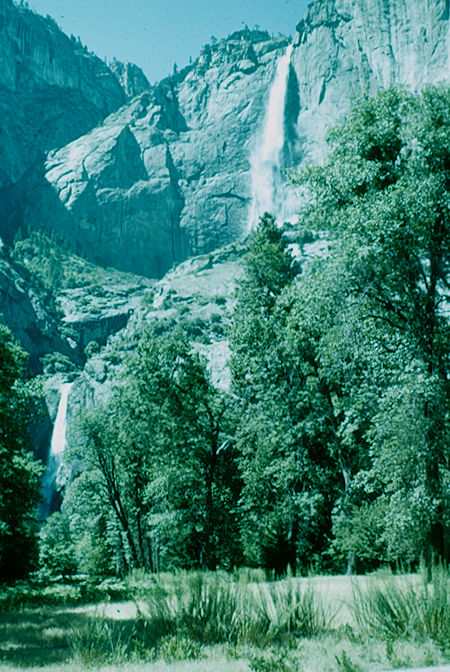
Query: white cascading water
[
  {"x": 58, "y": 444},
  {"x": 269, "y": 190}
]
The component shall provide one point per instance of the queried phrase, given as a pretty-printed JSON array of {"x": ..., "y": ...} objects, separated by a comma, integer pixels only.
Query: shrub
[
  {"x": 194, "y": 327},
  {"x": 55, "y": 362},
  {"x": 177, "y": 647},
  {"x": 271, "y": 661},
  {"x": 91, "y": 349},
  {"x": 148, "y": 298},
  {"x": 56, "y": 548},
  {"x": 345, "y": 663},
  {"x": 220, "y": 300}
]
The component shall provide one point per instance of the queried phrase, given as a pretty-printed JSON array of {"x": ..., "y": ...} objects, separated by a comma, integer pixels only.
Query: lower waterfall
[{"x": 58, "y": 444}]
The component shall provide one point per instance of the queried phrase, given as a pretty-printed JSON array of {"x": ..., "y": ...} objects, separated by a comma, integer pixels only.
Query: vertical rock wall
[
  {"x": 51, "y": 89},
  {"x": 345, "y": 47}
]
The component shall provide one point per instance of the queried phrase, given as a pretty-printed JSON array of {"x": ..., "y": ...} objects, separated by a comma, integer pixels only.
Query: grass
[
  {"x": 218, "y": 608},
  {"x": 398, "y": 607},
  {"x": 194, "y": 622}
]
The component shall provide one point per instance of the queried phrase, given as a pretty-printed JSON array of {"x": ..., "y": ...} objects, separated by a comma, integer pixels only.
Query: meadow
[{"x": 240, "y": 622}]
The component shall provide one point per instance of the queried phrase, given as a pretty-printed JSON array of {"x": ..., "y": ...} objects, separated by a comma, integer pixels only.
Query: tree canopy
[
  {"x": 383, "y": 198},
  {"x": 160, "y": 458}
]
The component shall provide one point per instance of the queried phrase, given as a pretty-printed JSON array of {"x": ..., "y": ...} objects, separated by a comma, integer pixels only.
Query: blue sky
[{"x": 155, "y": 34}]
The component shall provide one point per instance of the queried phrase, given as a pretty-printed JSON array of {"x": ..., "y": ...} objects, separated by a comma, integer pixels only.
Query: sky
[{"x": 156, "y": 34}]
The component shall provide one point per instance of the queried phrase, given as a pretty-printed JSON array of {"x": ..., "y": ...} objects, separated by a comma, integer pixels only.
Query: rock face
[
  {"x": 131, "y": 78},
  {"x": 24, "y": 308},
  {"x": 167, "y": 175},
  {"x": 344, "y": 47},
  {"x": 51, "y": 89}
]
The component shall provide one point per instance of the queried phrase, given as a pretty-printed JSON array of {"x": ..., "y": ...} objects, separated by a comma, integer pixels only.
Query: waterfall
[
  {"x": 57, "y": 446},
  {"x": 269, "y": 191}
]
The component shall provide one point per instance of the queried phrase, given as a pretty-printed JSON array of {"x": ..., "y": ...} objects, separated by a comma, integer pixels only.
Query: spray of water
[
  {"x": 58, "y": 444},
  {"x": 269, "y": 192}
]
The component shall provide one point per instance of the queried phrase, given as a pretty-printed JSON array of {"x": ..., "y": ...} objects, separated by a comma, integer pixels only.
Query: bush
[
  {"x": 56, "y": 547},
  {"x": 25, "y": 595},
  {"x": 55, "y": 362},
  {"x": 194, "y": 327},
  {"x": 305, "y": 236},
  {"x": 148, "y": 298},
  {"x": 177, "y": 647},
  {"x": 91, "y": 349},
  {"x": 45, "y": 591},
  {"x": 220, "y": 300},
  {"x": 271, "y": 661}
]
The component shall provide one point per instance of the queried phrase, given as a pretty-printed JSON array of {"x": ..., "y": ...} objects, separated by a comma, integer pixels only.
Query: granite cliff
[
  {"x": 139, "y": 185},
  {"x": 170, "y": 174},
  {"x": 167, "y": 175},
  {"x": 29, "y": 311},
  {"x": 51, "y": 89},
  {"x": 131, "y": 78},
  {"x": 344, "y": 47}
]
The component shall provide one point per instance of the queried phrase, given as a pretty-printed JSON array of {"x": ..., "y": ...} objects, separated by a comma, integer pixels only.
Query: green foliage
[
  {"x": 55, "y": 362},
  {"x": 194, "y": 328},
  {"x": 148, "y": 298},
  {"x": 269, "y": 265},
  {"x": 94, "y": 534},
  {"x": 19, "y": 472},
  {"x": 42, "y": 254},
  {"x": 160, "y": 461},
  {"x": 282, "y": 436},
  {"x": 332, "y": 449},
  {"x": 91, "y": 349},
  {"x": 53, "y": 266},
  {"x": 270, "y": 661},
  {"x": 345, "y": 663},
  {"x": 382, "y": 197},
  {"x": 56, "y": 547},
  {"x": 99, "y": 641},
  {"x": 177, "y": 647},
  {"x": 171, "y": 610},
  {"x": 359, "y": 531},
  {"x": 43, "y": 591}
]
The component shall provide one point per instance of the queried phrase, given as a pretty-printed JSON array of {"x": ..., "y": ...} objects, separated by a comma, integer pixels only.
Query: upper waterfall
[{"x": 269, "y": 189}]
